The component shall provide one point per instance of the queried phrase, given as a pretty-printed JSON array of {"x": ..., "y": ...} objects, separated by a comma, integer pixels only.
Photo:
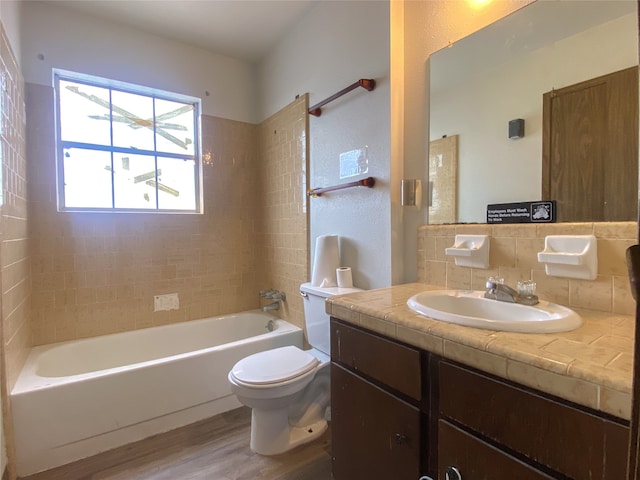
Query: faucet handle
[
  {"x": 492, "y": 282},
  {"x": 526, "y": 287},
  {"x": 278, "y": 295}
]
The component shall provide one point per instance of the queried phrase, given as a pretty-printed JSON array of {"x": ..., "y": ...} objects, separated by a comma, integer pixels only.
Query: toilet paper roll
[
  {"x": 326, "y": 261},
  {"x": 344, "y": 277}
]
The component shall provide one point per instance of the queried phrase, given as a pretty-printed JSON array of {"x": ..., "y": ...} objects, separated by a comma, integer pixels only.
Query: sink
[{"x": 470, "y": 308}]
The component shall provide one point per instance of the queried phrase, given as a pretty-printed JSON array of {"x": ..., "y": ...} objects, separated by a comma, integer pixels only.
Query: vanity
[{"x": 414, "y": 398}]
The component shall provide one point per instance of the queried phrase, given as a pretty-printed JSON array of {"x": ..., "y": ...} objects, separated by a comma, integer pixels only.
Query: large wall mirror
[{"x": 544, "y": 64}]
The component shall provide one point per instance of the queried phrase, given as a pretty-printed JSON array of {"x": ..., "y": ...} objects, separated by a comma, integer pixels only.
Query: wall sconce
[
  {"x": 516, "y": 128},
  {"x": 411, "y": 193}
]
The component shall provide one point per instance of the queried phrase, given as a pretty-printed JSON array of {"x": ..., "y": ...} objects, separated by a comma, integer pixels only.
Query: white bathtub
[{"x": 79, "y": 398}]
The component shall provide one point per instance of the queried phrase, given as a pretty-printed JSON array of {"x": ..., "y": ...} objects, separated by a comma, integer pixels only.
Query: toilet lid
[{"x": 274, "y": 366}]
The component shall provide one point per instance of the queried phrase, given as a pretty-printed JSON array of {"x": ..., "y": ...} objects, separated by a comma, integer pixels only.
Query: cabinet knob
[
  {"x": 452, "y": 473},
  {"x": 425, "y": 477},
  {"x": 399, "y": 438}
]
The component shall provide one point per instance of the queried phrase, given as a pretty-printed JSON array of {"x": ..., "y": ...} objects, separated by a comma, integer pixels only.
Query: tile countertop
[{"x": 591, "y": 366}]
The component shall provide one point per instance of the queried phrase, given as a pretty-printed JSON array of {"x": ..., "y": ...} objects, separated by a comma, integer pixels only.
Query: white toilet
[{"x": 288, "y": 388}]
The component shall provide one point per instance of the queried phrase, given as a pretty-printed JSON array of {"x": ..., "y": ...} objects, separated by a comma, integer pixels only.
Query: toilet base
[{"x": 271, "y": 433}]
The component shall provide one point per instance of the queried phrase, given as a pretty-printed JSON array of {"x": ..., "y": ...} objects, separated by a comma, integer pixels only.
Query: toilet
[{"x": 288, "y": 389}]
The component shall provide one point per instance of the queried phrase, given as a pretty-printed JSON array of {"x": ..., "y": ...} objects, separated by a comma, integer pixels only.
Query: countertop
[{"x": 591, "y": 366}]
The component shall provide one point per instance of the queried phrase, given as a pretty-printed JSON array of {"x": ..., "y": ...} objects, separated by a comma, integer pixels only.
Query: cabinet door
[
  {"x": 374, "y": 435},
  {"x": 477, "y": 460}
]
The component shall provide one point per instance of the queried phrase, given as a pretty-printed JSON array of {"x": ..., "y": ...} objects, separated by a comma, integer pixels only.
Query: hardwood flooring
[{"x": 213, "y": 449}]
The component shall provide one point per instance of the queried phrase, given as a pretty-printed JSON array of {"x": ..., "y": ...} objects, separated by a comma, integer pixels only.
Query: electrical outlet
[{"x": 169, "y": 301}]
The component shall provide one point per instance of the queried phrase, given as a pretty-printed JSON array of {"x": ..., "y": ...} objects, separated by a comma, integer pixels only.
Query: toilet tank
[{"x": 315, "y": 316}]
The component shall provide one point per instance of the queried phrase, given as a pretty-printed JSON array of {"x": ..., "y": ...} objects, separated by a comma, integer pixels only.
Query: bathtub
[{"x": 75, "y": 399}]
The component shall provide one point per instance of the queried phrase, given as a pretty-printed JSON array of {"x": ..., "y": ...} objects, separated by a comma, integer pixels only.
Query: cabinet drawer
[
  {"x": 394, "y": 364},
  {"x": 571, "y": 441},
  {"x": 476, "y": 460}
]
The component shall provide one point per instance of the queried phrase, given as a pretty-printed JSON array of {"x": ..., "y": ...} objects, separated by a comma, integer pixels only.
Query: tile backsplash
[{"x": 513, "y": 256}]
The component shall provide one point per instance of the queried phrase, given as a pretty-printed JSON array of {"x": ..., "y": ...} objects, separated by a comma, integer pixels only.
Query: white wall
[
  {"x": 76, "y": 42},
  {"x": 333, "y": 46},
  {"x": 10, "y": 18},
  {"x": 479, "y": 107}
]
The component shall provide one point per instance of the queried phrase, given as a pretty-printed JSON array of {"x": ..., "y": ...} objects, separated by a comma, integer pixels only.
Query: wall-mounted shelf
[
  {"x": 366, "y": 83},
  {"x": 365, "y": 182}
]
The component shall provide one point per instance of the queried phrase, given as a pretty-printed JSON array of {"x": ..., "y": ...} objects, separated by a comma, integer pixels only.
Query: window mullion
[
  {"x": 131, "y": 151},
  {"x": 113, "y": 170},
  {"x": 155, "y": 158}
]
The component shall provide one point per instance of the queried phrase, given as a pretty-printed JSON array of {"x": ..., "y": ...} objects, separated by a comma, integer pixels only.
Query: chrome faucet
[
  {"x": 275, "y": 295},
  {"x": 504, "y": 293}
]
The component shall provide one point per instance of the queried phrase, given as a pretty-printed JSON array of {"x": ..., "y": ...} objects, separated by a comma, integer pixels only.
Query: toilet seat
[{"x": 273, "y": 366}]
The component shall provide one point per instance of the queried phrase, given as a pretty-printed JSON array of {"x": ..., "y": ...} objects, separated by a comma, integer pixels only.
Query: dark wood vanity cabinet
[
  {"x": 476, "y": 459},
  {"x": 374, "y": 434},
  {"x": 525, "y": 433},
  {"x": 377, "y": 426},
  {"x": 402, "y": 413}
]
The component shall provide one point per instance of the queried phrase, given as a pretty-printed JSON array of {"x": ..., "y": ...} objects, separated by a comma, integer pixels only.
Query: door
[
  {"x": 633, "y": 263},
  {"x": 590, "y": 148}
]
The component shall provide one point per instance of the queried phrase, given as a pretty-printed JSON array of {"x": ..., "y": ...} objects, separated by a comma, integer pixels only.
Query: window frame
[{"x": 114, "y": 85}]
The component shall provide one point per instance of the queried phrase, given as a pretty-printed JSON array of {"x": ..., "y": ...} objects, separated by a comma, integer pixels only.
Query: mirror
[{"x": 481, "y": 83}]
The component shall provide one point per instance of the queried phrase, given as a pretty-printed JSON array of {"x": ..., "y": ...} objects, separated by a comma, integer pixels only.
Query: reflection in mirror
[{"x": 501, "y": 73}]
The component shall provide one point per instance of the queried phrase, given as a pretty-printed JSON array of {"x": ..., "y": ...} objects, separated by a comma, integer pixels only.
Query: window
[{"x": 125, "y": 148}]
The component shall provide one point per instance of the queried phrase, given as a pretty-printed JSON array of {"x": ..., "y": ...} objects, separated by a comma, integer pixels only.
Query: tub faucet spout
[{"x": 271, "y": 306}]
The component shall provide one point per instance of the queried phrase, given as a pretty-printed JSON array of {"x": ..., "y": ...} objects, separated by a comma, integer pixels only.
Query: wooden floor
[{"x": 213, "y": 449}]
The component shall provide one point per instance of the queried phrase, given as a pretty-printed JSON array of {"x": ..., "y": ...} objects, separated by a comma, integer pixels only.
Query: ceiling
[{"x": 244, "y": 29}]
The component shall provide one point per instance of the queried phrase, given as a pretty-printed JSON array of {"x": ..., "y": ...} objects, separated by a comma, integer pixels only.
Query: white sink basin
[{"x": 470, "y": 308}]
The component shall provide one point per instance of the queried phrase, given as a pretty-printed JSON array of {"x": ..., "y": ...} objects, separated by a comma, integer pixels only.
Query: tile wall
[
  {"x": 97, "y": 273},
  {"x": 283, "y": 220},
  {"x": 513, "y": 256},
  {"x": 14, "y": 252}
]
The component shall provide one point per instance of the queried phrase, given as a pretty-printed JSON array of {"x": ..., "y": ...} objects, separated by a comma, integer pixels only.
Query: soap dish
[
  {"x": 570, "y": 256},
  {"x": 470, "y": 251}
]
